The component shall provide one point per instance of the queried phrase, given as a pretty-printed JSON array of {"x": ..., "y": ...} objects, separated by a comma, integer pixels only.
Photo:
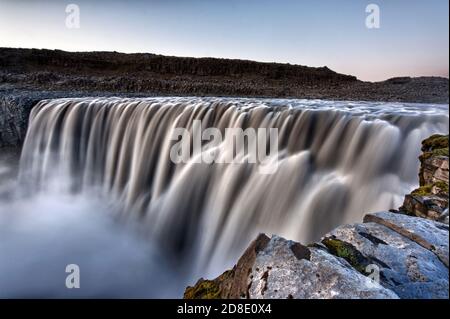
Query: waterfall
[{"x": 335, "y": 162}]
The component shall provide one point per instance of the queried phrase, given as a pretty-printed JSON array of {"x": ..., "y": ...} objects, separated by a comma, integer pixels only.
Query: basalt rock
[
  {"x": 16, "y": 105},
  {"x": 410, "y": 268},
  {"x": 426, "y": 206},
  {"x": 434, "y": 160},
  {"x": 390, "y": 255},
  {"x": 428, "y": 234},
  {"x": 430, "y": 200},
  {"x": 285, "y": 269}
]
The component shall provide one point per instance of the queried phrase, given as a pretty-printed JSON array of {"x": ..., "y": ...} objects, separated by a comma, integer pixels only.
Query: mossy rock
[
  {"x": 435, "y": 142},
  {"x": 434, "y": 152},
  {"x": 209, "y": 289},
  {"x": 429, "y": 189},
  {"x": 203, "y": 289},
  {"x": 348, "y": 252}
]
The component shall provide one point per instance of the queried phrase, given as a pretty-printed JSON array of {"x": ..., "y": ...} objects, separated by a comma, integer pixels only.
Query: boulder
[
  {"x": 428, "y": 234},
  {"x": 426, "y": 206},
  {"x": 406, "y": 266},
  {"x": 283, "y": 269}
]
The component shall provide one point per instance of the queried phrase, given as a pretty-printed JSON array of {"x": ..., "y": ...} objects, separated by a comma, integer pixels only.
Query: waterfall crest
[{"x": 336, "y": 162}]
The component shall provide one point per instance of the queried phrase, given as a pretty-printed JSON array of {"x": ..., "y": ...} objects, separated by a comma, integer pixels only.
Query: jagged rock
[
  {"x": 278, "y": 272},
  {"x": 434, "y": 160},
  {"x": 428, "y": 234},
  {"x": 427, "y": 206},
  {"x": 16, "y": 105},
  {"x": 409, "y": 255},
  {"x": 232, "y": 283},
  {"x": 406, "y": 267},
  {"x": 279, "y": 268},
  {"x": 430, "y": 200},
  {"x": 434, "y": 169}
]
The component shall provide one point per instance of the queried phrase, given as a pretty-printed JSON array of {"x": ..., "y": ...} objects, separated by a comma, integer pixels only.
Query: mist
[{"x": 41, "y": 234}]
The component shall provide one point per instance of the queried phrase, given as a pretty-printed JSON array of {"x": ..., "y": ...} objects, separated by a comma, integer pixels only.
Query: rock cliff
[{"x": 165, "y": 75}]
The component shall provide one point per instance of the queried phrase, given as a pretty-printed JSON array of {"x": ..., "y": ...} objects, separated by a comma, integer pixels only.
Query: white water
[{"x": 337, "y": 161}]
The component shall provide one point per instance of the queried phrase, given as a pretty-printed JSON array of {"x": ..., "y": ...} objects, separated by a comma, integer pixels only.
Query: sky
[{"x": 412, "y": 40}]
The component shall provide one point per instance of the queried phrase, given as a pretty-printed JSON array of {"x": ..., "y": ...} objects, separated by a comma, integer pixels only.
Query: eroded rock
[
  {"x": 406, "y": 267},
  {"x": 285, "y": 269},
  {"x": 429, "y": 234},
  {"x": 430, "y": 200}
]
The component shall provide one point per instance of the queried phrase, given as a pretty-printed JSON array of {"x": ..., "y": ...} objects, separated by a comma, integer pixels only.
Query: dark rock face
[
  {"x": 389, "y": 255},
  {"x": 233, "y": 283},
  {"x": 163, "y": 75},
  {"x": 16, "y": 105},
  {"x": 14, "y": 113}
]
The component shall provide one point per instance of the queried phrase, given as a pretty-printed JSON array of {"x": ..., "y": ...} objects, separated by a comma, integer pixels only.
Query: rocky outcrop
[
  {"x": 430, "y": 200},
  {"x": 409, "y": 269},
  {"x": 16, "y": 105},
  {"x": 390, "y": 255},
  {"x": 279, "y": 268},
  {"x": 14, "y": 113}
]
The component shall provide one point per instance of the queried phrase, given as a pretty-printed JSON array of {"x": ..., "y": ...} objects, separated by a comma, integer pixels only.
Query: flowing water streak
[{"x": 336, "y": 161}]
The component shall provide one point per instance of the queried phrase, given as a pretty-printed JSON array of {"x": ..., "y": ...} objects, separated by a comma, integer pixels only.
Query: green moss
[
  {"x": 422, "y": 190},
  {"x": 206, "y": 289},
  {"x": 428, "y": 189},
  {"x": 442, "y": 186},
  {"x": 435, "y": 142},
  {"x": 434, "y": 152},
  {"x": 348, "y": 252}
]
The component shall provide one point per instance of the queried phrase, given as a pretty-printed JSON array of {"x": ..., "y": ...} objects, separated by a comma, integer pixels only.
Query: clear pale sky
[{"x": 413, "y": 39}]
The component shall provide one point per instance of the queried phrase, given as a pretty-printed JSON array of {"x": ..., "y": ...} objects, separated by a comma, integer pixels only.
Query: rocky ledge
[
  {"x": 430, "y": 200},
  {"x": 397, "y": 254}
]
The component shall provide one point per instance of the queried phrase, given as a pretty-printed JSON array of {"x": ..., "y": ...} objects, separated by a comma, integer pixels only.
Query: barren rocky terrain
[{"x": 164, "y": 75}]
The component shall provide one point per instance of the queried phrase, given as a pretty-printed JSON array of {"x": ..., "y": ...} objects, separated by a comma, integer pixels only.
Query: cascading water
[{"x": 336, "y": 161}]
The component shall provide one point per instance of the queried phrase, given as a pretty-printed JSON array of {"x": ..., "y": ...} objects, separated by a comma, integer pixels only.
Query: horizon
[
  {"x": 412, "y": 39},
  {"x": 224, "y": 58}
]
